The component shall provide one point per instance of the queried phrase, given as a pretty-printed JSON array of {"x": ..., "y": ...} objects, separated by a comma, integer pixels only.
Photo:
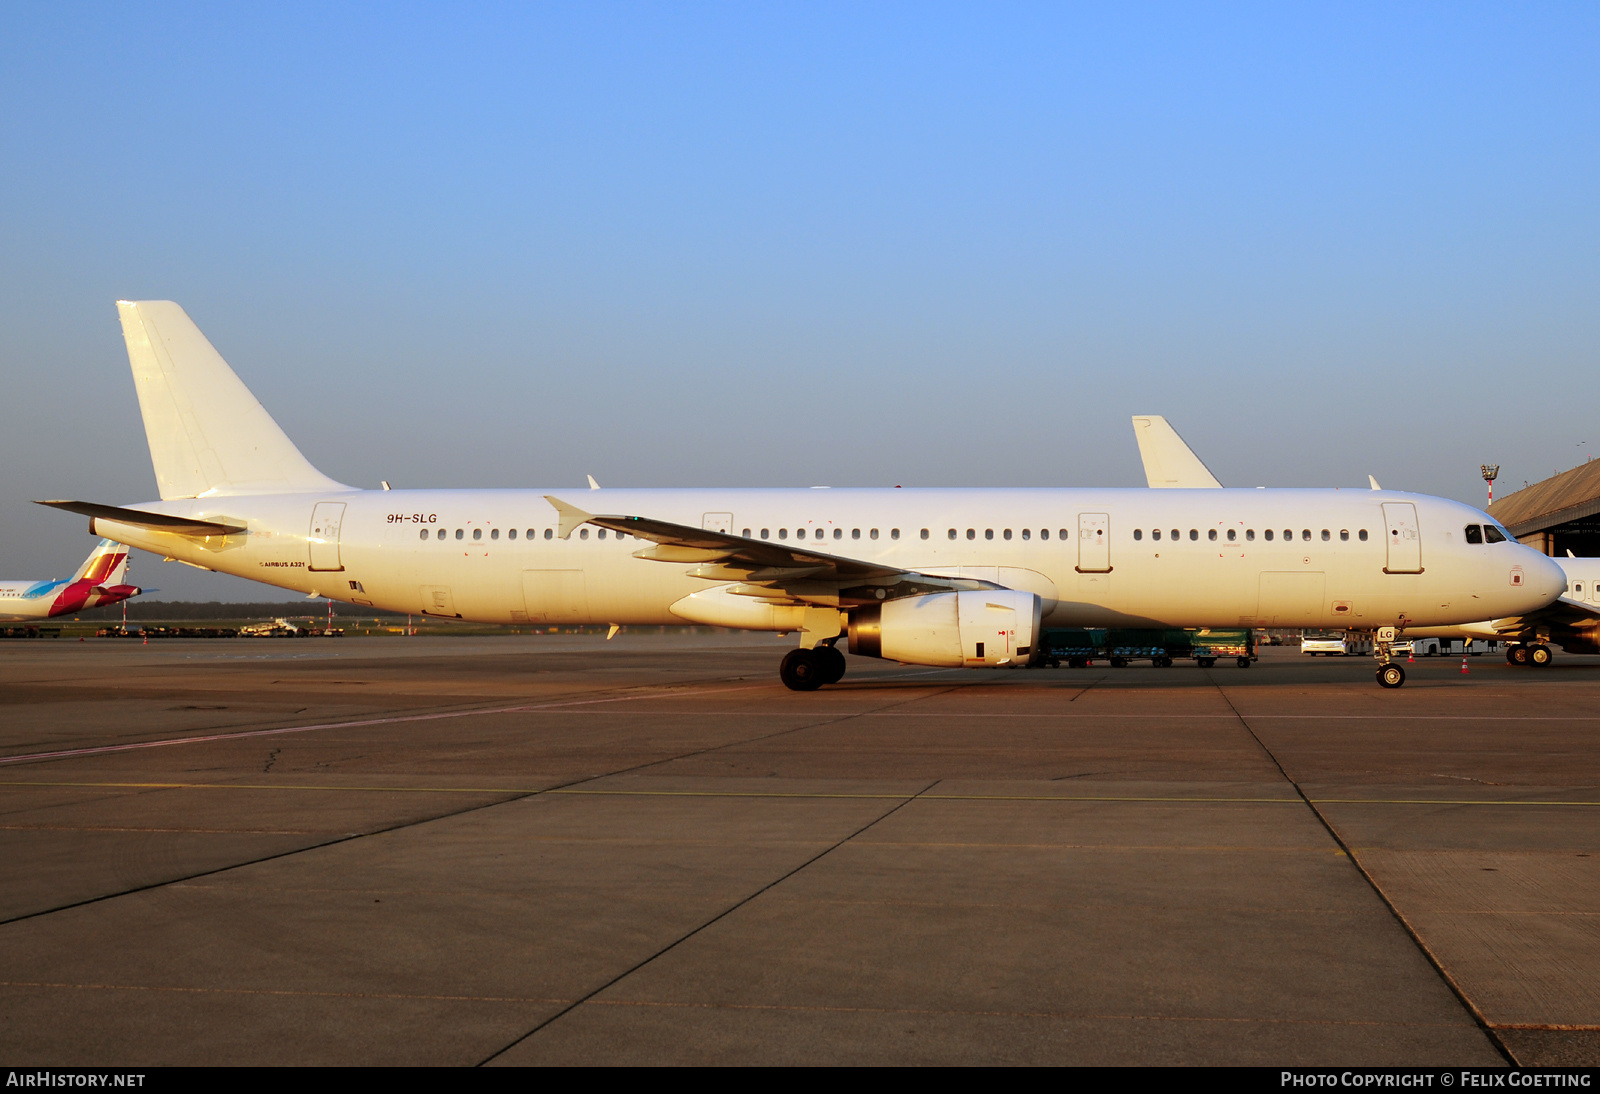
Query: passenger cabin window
[
  {"x": 424, "y": 533},
  {"x": 1305, "y": 534},
  {"x": 873, "y": 534},
  {"x": 1138, "y": 533},
  {"x": 1249, "y": 535},
  {"x": 584, "y": 534},
  {"x": 1006, "y": 534},
  {"x": 1194, "y": 534},
  {"x": 1155, "y": 533},
  {"x": 1233, "y": 536},
  {"x": 1326, "y": 535},
  {"x": 549, "y": 533},
  {"x": 952, "y": 533},
  {"x": 1174, "y": 533},
  {"x": 783, "y": 533},
  {"x": 1288, "y": 534},
  {"x": 1474, "y": 533},
  {"x": 1268, "y": 534},
  {"x": 1344, "y": 535},
  {"x": 1044, "y": 533},
  {"x": 924, "y": 533},
  {"x": 855, "y": 533},
  {"x": 1025, "y": 533},
  {"x": 460, "y": 534},
  {"x": 747, "y": 533},
  {"x": 1211, "y": 534},
  {"x": 838, "y": 533},
  {"x": 894, "y": 533},
  {"x": 765, "y": 534},
  {"x": 601, "y": 534},
  {"x": 1491, "y": 534},
  {"x": 477, "y": 533},
  {"x": 1362, "y": 535},
  {"x": 1578, "y": 588},
  {"x": 494, "y": 534},
  {"x": 988, "y": 533}
]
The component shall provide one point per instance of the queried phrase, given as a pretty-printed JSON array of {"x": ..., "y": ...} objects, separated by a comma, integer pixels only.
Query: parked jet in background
[
  {"x": 98, "y": 582},
  {"x": 1571, "y": 622},
  {"x": 960, "y": 577}
]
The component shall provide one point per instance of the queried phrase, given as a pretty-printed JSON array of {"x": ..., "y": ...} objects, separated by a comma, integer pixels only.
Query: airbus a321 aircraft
[
  {"x": 1572, "y": 621},
  {"x": 98, "y": 582},
  {"x": 944, "y": 577}
]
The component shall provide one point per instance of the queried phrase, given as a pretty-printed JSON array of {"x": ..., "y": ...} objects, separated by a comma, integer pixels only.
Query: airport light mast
[{"x": 1491, "y": 471}]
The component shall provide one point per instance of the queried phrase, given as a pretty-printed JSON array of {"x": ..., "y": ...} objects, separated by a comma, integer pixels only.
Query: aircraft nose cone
[{"x": 1546, "y": 579}]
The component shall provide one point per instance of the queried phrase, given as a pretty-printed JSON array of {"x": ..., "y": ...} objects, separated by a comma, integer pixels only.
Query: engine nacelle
[{"x": 981, "y": 627}]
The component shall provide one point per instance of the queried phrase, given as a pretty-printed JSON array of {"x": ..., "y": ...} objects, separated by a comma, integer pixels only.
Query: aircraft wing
[
  {"x": 1561, "y": 614},
  {"x": 764, "y": 568}
]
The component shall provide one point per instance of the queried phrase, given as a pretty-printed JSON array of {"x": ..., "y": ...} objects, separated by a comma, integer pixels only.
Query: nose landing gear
[{"x": 1390, "y": 674}]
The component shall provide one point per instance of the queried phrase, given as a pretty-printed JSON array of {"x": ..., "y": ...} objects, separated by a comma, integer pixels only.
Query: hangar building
[{"x": 1559, "y": 514}]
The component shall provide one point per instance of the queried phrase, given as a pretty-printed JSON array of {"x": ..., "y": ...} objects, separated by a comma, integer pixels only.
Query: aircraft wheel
[
  {"x": 832, "y": 662},
  {"x": 801, "y": 670},
  {"x": 1391, "y": 676},
  {"x": 1244, "y": 662},
  {"x": 1540, "y": 655},
  {"x": 1517, "y": 655}
]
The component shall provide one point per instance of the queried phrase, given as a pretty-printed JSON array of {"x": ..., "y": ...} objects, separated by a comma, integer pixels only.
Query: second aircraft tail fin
[
  {"x": 1168, "y": 462},
  {"x": 208, "y": 435},
  {"x": 107, "y": 564}
]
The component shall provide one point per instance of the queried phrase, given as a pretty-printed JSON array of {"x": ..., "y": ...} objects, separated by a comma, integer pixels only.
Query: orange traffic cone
[
  {"x": 1463, "y": 666},
  {"x": 1411, "y": 657}
]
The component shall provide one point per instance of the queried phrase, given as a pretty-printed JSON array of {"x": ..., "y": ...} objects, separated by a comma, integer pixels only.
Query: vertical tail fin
[
  {"x": 208, "y": 435},
  {"x": 1168, "y": 462},
  {"x": 107, "y": 564}
]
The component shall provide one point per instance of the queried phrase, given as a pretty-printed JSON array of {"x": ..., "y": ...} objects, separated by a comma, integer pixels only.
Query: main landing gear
[
  {"x": 1537, "y": 654},
  {"x": 808, "y": 670}
]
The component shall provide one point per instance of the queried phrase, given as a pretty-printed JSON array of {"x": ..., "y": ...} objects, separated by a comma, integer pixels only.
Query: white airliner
[
  {"x": 945, "y": 577},
  {"x": 101, "y": 580},
  {"x": 1571, "y": 622}
]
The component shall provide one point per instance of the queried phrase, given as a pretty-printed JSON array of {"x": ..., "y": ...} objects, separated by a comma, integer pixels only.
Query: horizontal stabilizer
[
  {"x": 1168, "y": 462},
  {"x": 138, "y": 518}
]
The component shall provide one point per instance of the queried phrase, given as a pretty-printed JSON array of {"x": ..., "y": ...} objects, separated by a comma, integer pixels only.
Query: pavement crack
[
  {"x": 1478, "y": 1017},
  {"x": 681, "y": 939}
]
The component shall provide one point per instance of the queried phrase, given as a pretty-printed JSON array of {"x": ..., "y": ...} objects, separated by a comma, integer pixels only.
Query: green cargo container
[{"x": 1119, "y": 645}]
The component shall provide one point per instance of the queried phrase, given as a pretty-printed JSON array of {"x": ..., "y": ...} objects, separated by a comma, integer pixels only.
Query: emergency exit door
[{"x": 1094, "y": 543}]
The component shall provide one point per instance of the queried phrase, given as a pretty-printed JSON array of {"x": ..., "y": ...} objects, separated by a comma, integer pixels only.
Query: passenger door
[
  {"x": 1403, "y": 538},
  {"x": 1094, "y": 543}
]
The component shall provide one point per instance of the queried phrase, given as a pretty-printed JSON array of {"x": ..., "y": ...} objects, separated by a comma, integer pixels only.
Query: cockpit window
[
  {"x": 1491, "y": 534},
  {"x": 1474, "y": 534}
]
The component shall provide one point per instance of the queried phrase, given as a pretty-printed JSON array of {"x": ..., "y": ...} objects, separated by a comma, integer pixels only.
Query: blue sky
[{"x": 761, "y": 244}]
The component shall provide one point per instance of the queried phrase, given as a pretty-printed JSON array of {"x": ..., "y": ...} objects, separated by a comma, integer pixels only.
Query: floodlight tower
[{"x": 1491, "y": 471}]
